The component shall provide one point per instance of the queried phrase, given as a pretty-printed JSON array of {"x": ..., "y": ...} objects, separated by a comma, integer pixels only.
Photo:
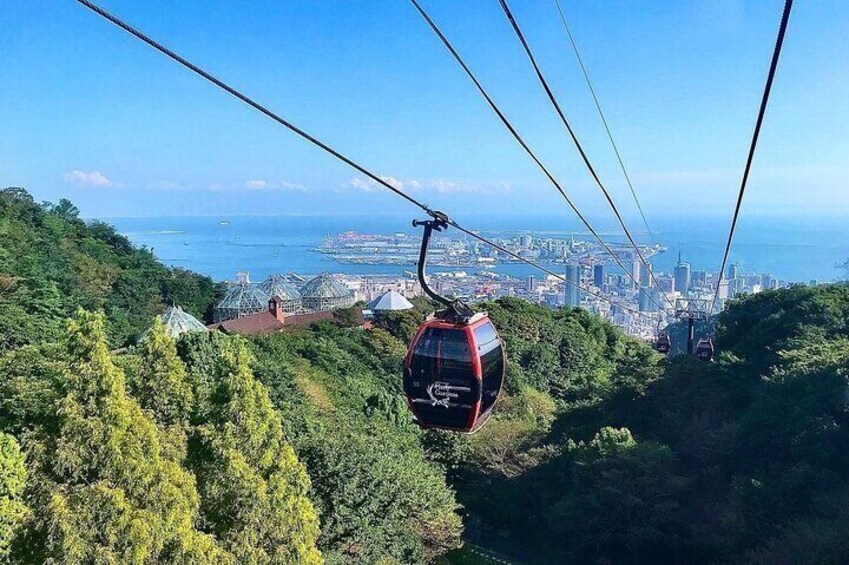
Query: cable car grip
[{"x": 455, "y": 310}]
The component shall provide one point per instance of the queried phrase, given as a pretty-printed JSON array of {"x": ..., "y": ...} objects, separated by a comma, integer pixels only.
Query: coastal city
[{"x": 638, "y": 301}]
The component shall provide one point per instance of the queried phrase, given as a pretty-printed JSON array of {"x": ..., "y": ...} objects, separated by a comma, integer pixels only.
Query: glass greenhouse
[
  {"x": 278, "y": 285},
  {"x": 241, "y": 299},
  {"x": 177, "y": 322},
  {"x": 325, "y": 293}
]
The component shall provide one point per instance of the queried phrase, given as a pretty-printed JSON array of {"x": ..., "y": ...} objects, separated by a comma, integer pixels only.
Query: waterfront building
[
  {"x": 288, "y": 293},
  {"x": 526, "y": 241},
  {"x": 553, "y": 299},
  {"x": 724, "y": 292},
  {"x": 646, "y": 273},
  {"x": 733, "y": 271},
  {"x": 325, "y": 293},
  {"x": 573, "y": 281},
  {"x": 637, "y": 273},
  {"x": 531, "y": 284}
]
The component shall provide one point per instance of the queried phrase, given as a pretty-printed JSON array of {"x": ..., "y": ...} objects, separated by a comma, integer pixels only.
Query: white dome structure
[{"x": 389, "y": 301}]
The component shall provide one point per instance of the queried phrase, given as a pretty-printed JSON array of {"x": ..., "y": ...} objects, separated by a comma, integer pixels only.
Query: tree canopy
[{"x": 298, "y": 448}]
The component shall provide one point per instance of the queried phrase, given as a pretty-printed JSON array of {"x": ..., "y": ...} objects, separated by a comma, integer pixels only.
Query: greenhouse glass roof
[
  {"x": 177, "y": 322},
  {"x": 277, "y": 285},
  {"x": 323, "y": 286},
  {"x": 244, "y": 296}
]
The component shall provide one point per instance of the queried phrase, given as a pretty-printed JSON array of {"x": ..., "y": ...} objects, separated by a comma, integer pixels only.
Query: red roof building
[{"x": 275, "y": 319}]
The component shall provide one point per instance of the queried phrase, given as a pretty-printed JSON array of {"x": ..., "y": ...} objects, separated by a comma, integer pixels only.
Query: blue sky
[{"x": 89, "y": 113}]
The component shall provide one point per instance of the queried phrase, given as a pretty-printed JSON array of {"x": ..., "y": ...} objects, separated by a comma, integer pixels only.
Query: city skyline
[{"x": 375, "y": 84}]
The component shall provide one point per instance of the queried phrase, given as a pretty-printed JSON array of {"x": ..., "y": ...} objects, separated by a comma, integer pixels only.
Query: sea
[{"x": 793, "y": 249}]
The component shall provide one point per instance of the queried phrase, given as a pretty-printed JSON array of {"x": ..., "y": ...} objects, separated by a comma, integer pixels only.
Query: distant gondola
[
  {"x": 704, "y": 349},
  {"x": 663, "y": 344}
]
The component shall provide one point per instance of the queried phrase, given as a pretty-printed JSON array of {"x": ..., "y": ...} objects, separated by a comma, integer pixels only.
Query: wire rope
[
  {"x": 360, "y": 168},
  {"x": 524, "y": 145},
  {"x": 776, "y": 54},
  {"x": 601, "y": 115},
  {"x": 553, "y": 99}
]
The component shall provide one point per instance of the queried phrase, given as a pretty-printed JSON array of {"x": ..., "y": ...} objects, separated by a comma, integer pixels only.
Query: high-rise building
[
  {"x": 666, "y": 284},
  {"x": 598, "y": 275},
  {"x": 646, "y": 273},
  {"x": 724, "y": 292},
  {"x": 733, "y": 271},
  {"x": 682, "y": 276},
  {"x": 573, "y": 280},
  {"x": 531, "y": 283},
  {"x": 644, "y": 299},
  {"x": 526, "y": 241},
  {"x": 637, "y": 273}
]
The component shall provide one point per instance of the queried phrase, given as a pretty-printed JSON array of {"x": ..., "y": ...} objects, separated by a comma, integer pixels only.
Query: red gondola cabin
[
  {"x": 704, "y": 349},
  {"x": 663, "y": 344},
  {"x": 453, "y": 373}
]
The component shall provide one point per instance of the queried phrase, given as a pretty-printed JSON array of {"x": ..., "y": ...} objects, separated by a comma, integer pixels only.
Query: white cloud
[
  {"x": 285, "y": 185},
  {"x": 443, "y": 186},
  {"x": 256, "y": 184},
  {"x": 94, "y": 178},
  {"x": 393, "y": 182},
  {"x": 362, "y": 184},
  {"x": 439, "y": 186}
]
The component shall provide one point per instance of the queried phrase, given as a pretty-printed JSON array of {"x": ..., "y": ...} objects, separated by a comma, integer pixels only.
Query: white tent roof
[
  {"x": 390, "y": 300},
  {"x": 177, "y": 322}
]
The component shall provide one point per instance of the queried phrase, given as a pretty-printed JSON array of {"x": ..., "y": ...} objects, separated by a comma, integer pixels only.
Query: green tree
[
  {"x": 13, "y": 478},
  {"x": 622, "y": 500},
  {"x": 254, "y": 490},
  {"x": 380, "y": 501},
  {"x": 400, "y": 323},
  {"x": 105, "y": 491},
  {"x": 31, "y": 387},
  {"x": 51, "y": 263},
  {"x": 162, "y": 385}
]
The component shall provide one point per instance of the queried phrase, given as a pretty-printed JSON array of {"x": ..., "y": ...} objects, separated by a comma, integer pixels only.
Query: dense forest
[{"x": 297, "y": 447}]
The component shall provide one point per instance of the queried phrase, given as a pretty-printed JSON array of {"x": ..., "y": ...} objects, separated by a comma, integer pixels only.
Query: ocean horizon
[{"x": 794, "y": 249}]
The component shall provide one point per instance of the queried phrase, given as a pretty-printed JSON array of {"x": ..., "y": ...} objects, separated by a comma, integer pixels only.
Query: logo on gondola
[{"x": 441, "y": 393}]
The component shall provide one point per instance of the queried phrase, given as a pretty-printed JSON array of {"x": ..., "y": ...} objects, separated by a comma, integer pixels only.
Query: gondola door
[{"x": 442, "y": 378}]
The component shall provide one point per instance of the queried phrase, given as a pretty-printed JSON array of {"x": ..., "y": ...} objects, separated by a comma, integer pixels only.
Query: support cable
[
  {"x": 779, "y": 42},
  {"x": 604, "y": 119},
  {"x": 550, "y": 94},
  {"x": 314, "y": 141},
  {"x": 525, "y": 146}
]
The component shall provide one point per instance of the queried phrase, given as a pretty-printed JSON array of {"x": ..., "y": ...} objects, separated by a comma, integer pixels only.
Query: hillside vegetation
[
  {"x": 297, "y": 447},
  {"x": 52, "y": 263}
]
